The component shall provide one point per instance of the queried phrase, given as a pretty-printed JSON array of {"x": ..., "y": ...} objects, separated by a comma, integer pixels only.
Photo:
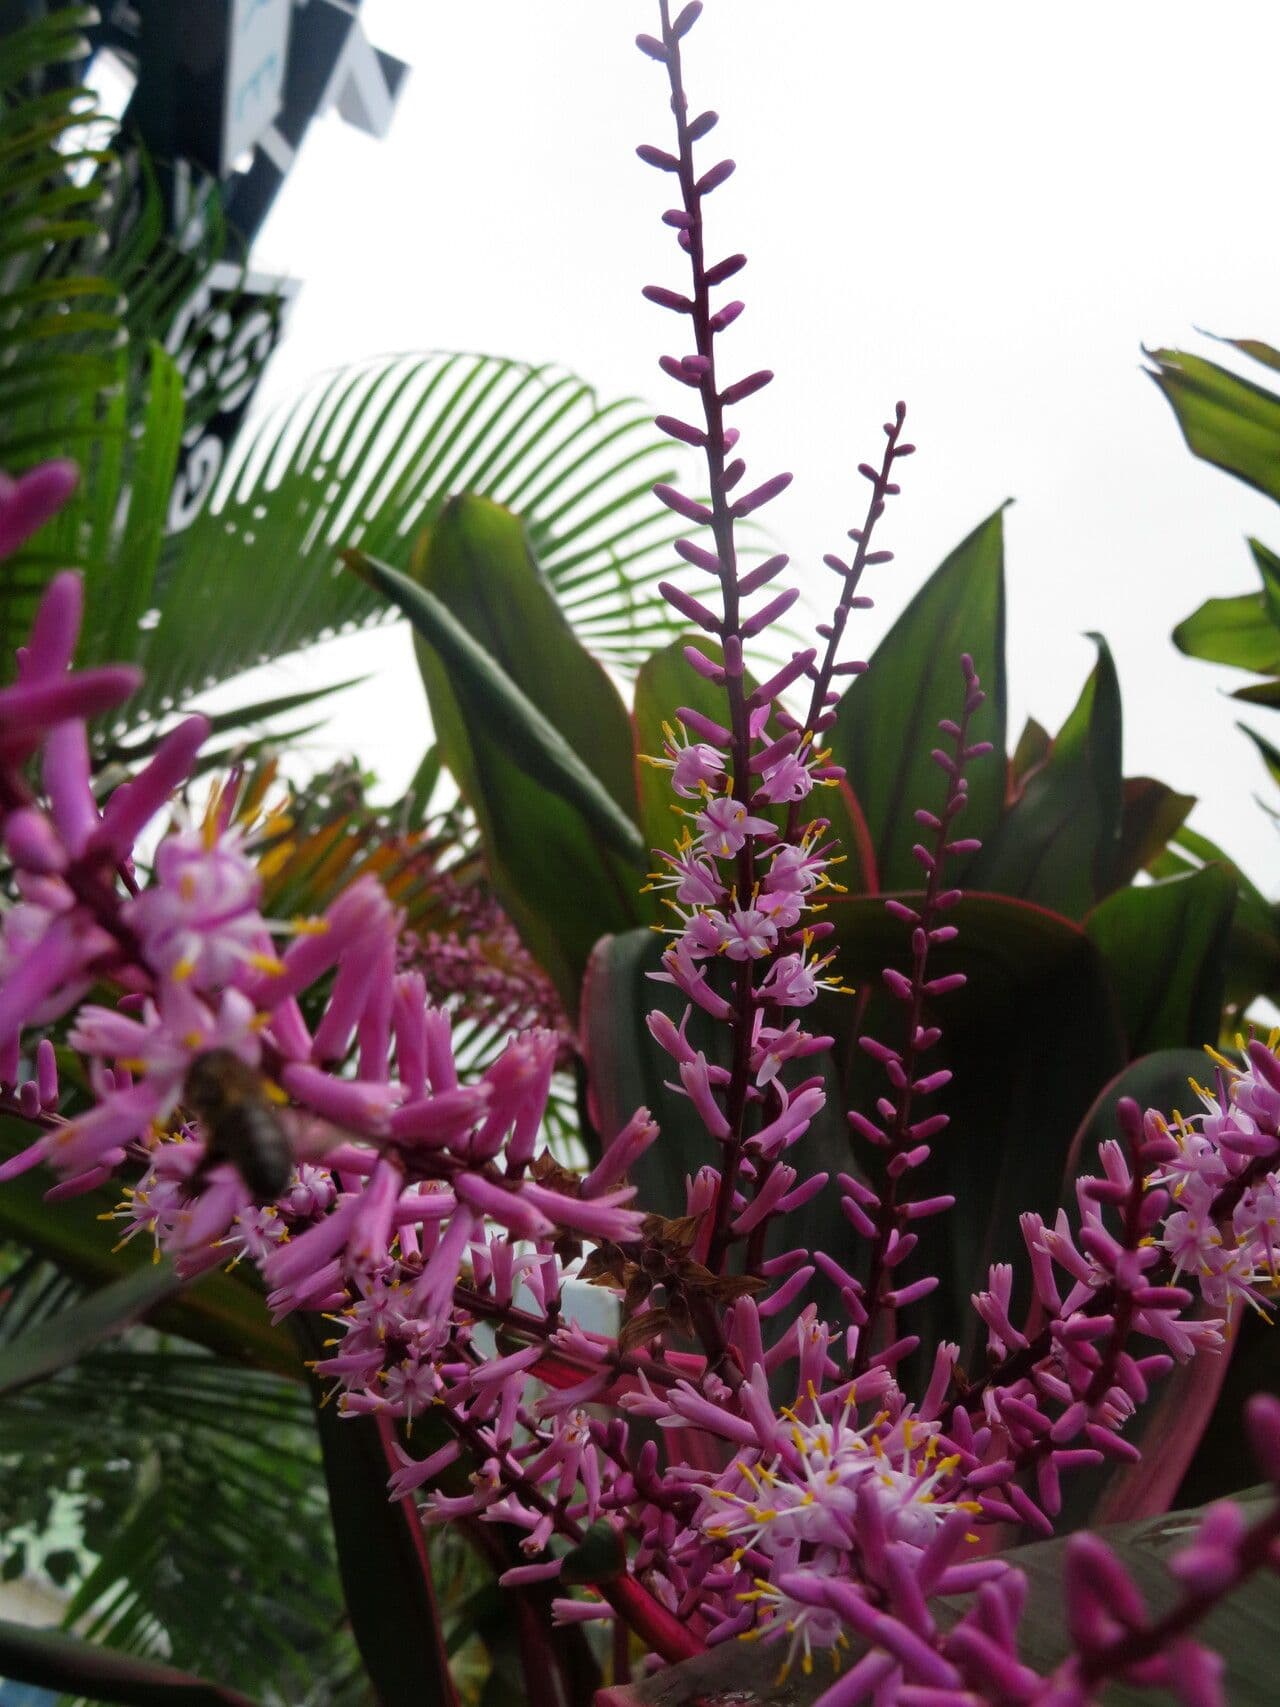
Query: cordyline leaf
[
  {"x": 1244, "y": 1627},
  {"x": 1165, "y": 945},
  {"x": 1235, "y": 631},
  {"x": 1260, "y": 693},
  {"x": 1269, "y": 754},
  {"x": 1031, "y": 1040},
  {"x": 1057, "y": 845},
  {"x": 1034, "y": 746},
  {"x": 886, "y": 724},
  {"x": 540, "y": 748},
  {"x": 51, "y": 1660},
  {"x": 1243, "y": 631},
  {"x": 1151, "y": 813},
  {"x": 64, "y": 1339},
  {"x": 1253, "y": 964},
  {"x": 560, "y": 880},
  {"x": 1226, "y": 420}
]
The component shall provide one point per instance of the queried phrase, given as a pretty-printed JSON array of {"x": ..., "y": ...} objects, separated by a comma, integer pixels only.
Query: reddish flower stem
[
  {"x": 1255, "y": 1552},
  {"x": 722, "y": 527},
  {"x": 890, "y": 1216}
]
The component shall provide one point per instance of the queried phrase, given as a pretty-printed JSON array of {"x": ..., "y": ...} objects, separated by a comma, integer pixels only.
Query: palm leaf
[{"x": 366, "y": 460}]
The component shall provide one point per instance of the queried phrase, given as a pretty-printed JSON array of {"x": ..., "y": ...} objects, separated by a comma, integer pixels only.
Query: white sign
[{"x": 257, "y": 48}]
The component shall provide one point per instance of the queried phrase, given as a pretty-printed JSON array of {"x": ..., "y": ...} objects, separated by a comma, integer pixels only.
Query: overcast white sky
[{"x": 984, "y": 209}]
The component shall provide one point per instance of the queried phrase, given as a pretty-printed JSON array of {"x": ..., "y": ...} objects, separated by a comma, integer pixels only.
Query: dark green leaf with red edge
[
  {"x": 1150, "y": 814},
  {"x": 224, "y": 1312},
  {"x": 1169, "y": 1428},
  {"x": 382, "y": 1553},
  {"x": 1253, "y": 962},
  {"x": 1166, "y": 946},
  {"x": 1226, "y": 420},
  {"x": 1030, "y": 1039},
  {"x": 51, "y": 1660},
  {"x": 1058, "y": 844},
  {"x": 558, "y": 878},
  {"x": 666, "y": 681},
  {"x": 887, "y": 723}
]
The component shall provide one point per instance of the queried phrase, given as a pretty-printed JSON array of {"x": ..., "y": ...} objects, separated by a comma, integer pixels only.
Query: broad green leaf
[
  {"x": 1267, "y": 354},
  {"x": 1269, "y": 754},
  {"x": 1034, "y": 746},
  {"x": 539, "y": 747},
  {"x": 1243, "y": 631},
  {"x": 1226, "y": 420},
  {"x": 1150, "y": 814},
  {"x": 1165, "y": 945},
  {"x": 1260, "y": 693},
  {"x": 1235, "y": 631},
  {"x": 1253, "y": 964},
  {"x": 382, "y": 1553},
  {"x": 552, "y": 810},
  {"x": 1031, "y": 1039},
  {"x": 222, "y": 1311},
  {"x": 886, "y": 724},
  {"x": 51, "y": 1660},
  {"x": 1058, "y": 844},
  {"x": 66, "y": 1338}
]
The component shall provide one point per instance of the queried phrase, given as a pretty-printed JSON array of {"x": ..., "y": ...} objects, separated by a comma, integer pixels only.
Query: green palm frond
[
  {"x": 201, "y": 1513},
  {"x": 72, "y": 380},
  {"x": 366, "y": 459}
]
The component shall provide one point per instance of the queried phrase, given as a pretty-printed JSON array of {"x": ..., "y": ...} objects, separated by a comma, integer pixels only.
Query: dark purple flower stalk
[
  {"x": 885, "y": 1217},
  {"x": 753, "y": 915}
]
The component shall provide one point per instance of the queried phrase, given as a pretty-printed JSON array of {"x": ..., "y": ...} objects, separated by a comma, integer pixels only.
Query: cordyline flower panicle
[{"x": 426, "y": 1217}]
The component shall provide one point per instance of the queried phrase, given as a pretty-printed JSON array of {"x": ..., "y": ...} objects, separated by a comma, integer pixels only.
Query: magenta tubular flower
[{"x": 29, "y": 500}]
